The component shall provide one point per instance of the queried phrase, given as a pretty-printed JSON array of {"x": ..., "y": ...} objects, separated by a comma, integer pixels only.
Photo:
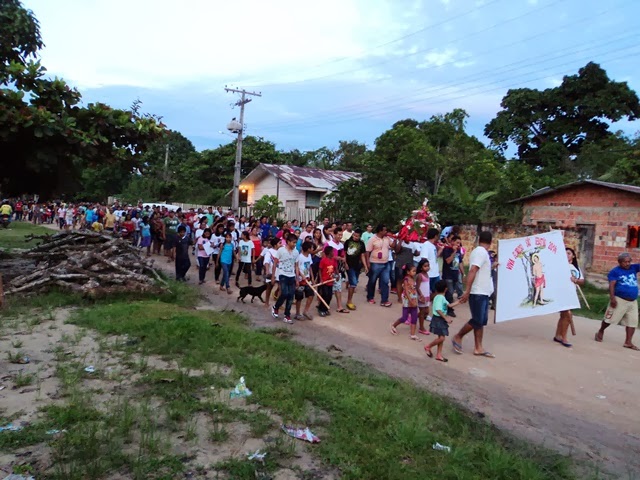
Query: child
[
  {"x": 409, "y": 301},
  {"x": 183, "y": 264},
  {"x": 245, "y": 258},
  {"x": 203, "y": 244},
  {"x": 328, "y": 268},
  {"x": 226, "y": 260},
  {"x": 440, "y": 322},
  {"x": 424, "y": 294},
  {"x": 268, "y": 264},
  {"x": 303, "y": 272},
  {"x": 145, "y": 232}
]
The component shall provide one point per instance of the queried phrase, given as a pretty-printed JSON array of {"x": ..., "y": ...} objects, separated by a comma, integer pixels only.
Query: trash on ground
[
  {"x": 2, "y": 387},
  {"x": 601, "y": 397},
  {"x": 257, "y": 455},
  {"x": 90, "y": 369},
  {"x": 15, "y": 476},
  {"x": 300, "y": 433},
  {"x": 241, "y": 390},
  {"x": 10, "y": 427},
  {"x": 443, "y": 448},
  {"x": 22, "y": 360},
  {"x": 55, "y": 431}
]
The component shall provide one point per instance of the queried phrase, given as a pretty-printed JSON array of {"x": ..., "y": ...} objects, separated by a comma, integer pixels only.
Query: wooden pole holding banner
[
  {"x": 319, "y": 296},
  {"x": 495, "y": 302},
  {"x": 583, "y": 297}
]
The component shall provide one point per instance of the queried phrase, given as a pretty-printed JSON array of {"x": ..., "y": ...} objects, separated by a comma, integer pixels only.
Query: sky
[{"x": 331, "y": 70}]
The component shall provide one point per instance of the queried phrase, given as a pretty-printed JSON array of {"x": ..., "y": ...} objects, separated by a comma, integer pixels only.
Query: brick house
[{"x": 606, "y": 216}]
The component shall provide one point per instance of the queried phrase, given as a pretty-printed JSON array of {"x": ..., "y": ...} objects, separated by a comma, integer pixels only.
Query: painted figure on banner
[{"x": 539, "y": 282}]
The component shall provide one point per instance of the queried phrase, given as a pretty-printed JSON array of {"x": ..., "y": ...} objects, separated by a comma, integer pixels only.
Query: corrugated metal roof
[
  {"x": 304, "y": 178},
  {"x": 549, "y": 190}
]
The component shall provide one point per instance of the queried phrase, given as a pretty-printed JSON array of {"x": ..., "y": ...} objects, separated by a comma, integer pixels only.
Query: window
[
  {"x": 313, "y": 199},
  {"x": 633, "y": 234},
  {"x": 292, "y": 204}
]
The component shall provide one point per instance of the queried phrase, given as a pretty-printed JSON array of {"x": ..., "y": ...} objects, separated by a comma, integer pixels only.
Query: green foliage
[
  {"x": 268, "y": 206},
  {"x": 553, "y": 127}
]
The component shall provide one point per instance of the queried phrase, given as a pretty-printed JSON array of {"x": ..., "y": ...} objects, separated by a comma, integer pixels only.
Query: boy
[
  {"x": 285, "y": 261},
  {"x": 269, "y": 270},
  {"x": 303, "y": 274},
  {"x": 328, "y": 268}
]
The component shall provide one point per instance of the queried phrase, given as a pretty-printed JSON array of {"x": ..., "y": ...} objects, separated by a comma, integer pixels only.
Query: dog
[{"x": 253, "y": 291}]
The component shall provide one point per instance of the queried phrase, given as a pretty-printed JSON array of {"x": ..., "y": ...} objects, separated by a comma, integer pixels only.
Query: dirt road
[{"x": 580, "y": 401}]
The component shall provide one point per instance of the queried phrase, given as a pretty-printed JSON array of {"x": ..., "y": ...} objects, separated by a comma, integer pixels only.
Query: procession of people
[{"x": 320, "y": 262}]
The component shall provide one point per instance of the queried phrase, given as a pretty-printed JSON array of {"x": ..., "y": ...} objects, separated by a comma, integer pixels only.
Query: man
[
  {"x": 379, "y": 247},
  {"x": 479, "y": 289},
  {"x": 170, "y": 234},
  {"x": 210, "y": 216},
  {"x": 348, "y": 231},
  {"x": 183, "y": 242},
  {"x": 356, "y": 261},
  {"x": 451, "y": 268},
  {"x": 430, "y": 252},
  {"x": 623, "y": 299},
  {"x": 264, "y": 228},
  {"x": 368, "y": 234},
  {"x": 273, "y": 231},
  {"x": 285, "y": 262},
  {"x": 325, "y": 224}
]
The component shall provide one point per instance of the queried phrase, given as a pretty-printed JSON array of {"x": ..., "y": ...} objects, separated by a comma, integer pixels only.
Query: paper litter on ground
[
  {"x": 300, "y": 433},
  {"x": 241, "y": 390}
]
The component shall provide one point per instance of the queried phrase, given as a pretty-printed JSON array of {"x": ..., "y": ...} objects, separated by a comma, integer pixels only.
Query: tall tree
[{"x": 550, "y": 128}]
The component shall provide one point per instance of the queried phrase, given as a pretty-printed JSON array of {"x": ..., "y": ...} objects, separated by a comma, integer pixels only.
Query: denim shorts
[
  {"x": 432, "y": 283},
  {"x": 479, "y": 306},
  {"x": 352, "y": 275}
]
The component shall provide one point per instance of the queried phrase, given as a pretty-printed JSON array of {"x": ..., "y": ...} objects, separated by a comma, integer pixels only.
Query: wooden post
[
  {"x": 1, "y": 292},
  {"x": 319, "y": 296},
  {"x": 495, "y": 303}
]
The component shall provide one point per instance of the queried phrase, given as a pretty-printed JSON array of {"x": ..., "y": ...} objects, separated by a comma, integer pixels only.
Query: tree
[
  {"x": 46, "y": 137},
  {"x": 267, "y": 205},
  {"x": 626, "y": 168},
  {"x": 550, "y": 128}
]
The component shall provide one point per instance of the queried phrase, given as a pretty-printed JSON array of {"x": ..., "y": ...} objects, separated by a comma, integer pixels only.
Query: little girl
[
  {"x": 409, "y": 301},
  {"x": 225, "y": 259},
  {"x": 424, "y": 294},
  {"x": 440, "y": 322}
]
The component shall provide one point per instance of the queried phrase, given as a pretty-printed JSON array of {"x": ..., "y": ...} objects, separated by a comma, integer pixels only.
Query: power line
[
  {"x": 388, "y": 106},
  {"x": 399, "y": 57}
]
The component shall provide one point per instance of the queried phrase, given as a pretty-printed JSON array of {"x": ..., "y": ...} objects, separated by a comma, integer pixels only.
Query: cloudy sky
[{"x": 330, "y": 70}]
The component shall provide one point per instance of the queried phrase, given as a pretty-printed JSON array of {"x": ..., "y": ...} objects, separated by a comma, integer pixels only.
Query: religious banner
[{"x": 534, "y": 277}]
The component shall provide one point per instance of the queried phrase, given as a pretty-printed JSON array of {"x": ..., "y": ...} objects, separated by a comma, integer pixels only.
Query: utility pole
[
  {"x": 166, "y": 163},
  {"x": 235, "y": 201}
]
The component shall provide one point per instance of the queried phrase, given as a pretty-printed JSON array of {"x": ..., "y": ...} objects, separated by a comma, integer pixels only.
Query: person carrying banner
[
  {"x": 566, "y": 316},
  {"x": 623, "y": 299},
  {"x": 477, "y": 293}
]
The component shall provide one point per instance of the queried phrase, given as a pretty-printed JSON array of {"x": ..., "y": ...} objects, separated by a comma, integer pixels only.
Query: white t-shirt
[
  {"x": 287, "y": 261},
  {"x": 482, "y": 284},
  {"x": 216, "y": 243},
  {"x": 430, "y": 252},
  {"x": 246, "y": 249},
  {"x": 304, "y": 265}
]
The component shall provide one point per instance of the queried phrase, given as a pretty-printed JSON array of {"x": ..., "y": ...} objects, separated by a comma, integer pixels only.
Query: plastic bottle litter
[
  {"x": 241, "y": 390},
  {"x": 90, "y": 369},
  {"x": 10, "y": 427},
  {"x": 300, "y": 433},
  {"x": 257, "y": 455},
  {"x": 442, "y": 448}
]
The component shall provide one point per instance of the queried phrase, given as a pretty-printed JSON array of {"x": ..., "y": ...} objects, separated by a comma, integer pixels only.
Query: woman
[
  {"x": 203, "y": 245},
  {"x": 566, "y": 317},
  {"x": 318, "y": 241},
  {"x": 257, "y": 251}
]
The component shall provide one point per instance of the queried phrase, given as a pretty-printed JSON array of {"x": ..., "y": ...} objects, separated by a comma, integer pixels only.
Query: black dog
[{"x": 253, "y": 291}]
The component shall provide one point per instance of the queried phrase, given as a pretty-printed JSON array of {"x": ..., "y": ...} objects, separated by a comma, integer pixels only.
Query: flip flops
[
  {"x": 631, "y": 347},
  {"x": 562, "y": 342},
  {"x": 443, "y": 360},
  {"x": 456, "y": 347},
  {"x": 393, "y": 330},
  {"x": 485, "y": 354},
  {"x": 428, "y": 351}
]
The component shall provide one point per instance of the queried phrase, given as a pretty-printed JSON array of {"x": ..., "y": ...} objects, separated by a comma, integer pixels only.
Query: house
[
  {"x": 606, "y": 215},
  {"x": 296, "y": 187}
]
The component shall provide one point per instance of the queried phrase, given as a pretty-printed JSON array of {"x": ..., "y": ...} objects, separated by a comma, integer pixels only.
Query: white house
[{"x": 295, "y": 187}]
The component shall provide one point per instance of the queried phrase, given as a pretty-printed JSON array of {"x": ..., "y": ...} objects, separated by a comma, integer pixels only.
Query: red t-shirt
[
  {"x": 257, "y": 248},
  {"x": 328, "y": 267}
]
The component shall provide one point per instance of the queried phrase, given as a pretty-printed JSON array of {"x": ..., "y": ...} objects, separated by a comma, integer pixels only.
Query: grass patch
[
  {"x": 598, "y": 299},
  {"x": 375, "y": 423},
  {"x": 13, "y": 237}
]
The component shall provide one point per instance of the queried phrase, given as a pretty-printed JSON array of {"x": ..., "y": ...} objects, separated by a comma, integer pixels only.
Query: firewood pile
[{"x": 86, "y": 262}]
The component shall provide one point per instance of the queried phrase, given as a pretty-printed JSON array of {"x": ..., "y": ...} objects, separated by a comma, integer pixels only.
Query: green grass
[
  {"x": 13, "y": 237},
  {"x": 598, "y": 299},
  {"x": 379, "y": 427}
]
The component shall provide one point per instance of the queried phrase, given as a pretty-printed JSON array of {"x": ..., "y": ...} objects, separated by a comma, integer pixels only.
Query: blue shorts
[
  {"x": 352, "y": 275},
  {"x": 479, "y": 306}
]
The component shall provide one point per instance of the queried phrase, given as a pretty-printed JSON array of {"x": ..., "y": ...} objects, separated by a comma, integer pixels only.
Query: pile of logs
[{"x": 86, "y": 262}]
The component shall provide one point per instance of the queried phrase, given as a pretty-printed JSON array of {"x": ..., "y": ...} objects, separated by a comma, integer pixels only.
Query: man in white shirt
[
  {"x": 430, "y": 252},
  {"x": 478, "y": 291}
]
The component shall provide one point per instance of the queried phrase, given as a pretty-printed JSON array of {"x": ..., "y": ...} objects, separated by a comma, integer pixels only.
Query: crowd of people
[{"x": 299, "y": 263}]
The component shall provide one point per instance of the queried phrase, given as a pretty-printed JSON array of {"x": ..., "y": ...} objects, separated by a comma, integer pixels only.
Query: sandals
[
  {"x": 485, "y": 354},
  {"x": 385, "y": 304},
  {"x": 351, "y": 306},
  {"x": 424, "y": 332},
  {"x": 443, "y": 360},
  {"x": 597, "y": 338},
  {"x": 394, "y": 331},
  {"x": 415, "y": 338},
  {"x": 562, "y": 342},
  {"x": 428, "y": 351},
  {"x": 343, "y": 310},
  {"x": 631, "y": 347}
]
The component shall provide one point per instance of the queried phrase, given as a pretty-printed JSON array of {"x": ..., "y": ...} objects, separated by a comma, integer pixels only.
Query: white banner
[{"x": 534, "y": 277}]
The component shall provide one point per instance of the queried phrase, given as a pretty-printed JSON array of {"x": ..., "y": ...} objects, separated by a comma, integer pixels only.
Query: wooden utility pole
[
  {"x": 235, "y": 201},
  {"x": 166, "y": 163}
]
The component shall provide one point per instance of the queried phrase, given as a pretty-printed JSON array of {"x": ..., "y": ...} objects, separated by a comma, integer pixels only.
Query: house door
[{"x": 587, "y": 239}]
